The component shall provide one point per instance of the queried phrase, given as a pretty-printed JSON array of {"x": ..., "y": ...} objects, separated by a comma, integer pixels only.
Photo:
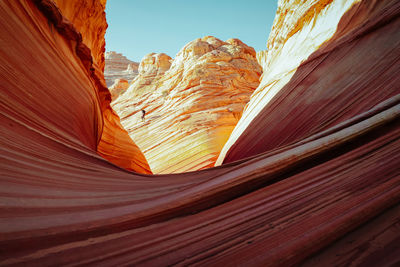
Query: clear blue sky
[{"x": 139, "y": 27}]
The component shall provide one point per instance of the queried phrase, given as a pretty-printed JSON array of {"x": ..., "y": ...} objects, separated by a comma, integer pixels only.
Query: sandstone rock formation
[
  {"x": 117, "y": 66},
  {"x": 118, "y": 88},
  {"x": 88, "y": 18},
  {"x": 151, "y": 68},
  {"x": 329, "y": 199},
  {"x": 192, "y": 103},
  {"x": 304, "y": 89}
]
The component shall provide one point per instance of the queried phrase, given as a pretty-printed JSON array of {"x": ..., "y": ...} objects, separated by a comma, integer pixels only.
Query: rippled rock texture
[
  {"x": 82, "y": 86},
  {"x": 324, "y": 65},
  {"x": 192, "y": 103},
  {"x": 317, "y": 183},
  {"x": 117, "y": 66}
]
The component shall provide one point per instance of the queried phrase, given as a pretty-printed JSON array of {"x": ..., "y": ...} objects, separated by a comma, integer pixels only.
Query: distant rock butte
[
  {"x": 192, "y": 103},
  {"x": 117, "y": 66}
]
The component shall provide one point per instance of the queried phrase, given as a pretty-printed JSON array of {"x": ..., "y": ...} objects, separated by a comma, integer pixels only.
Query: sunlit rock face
[
  {"x": 331, "y": 199},
  {"x": 117, "y": 66},
  {"x": 192, "y": 103},
  {"x": 151, "y": 68},
  {"x": 83, "y": 24},
  {"x": 118, "y": 88},
  {"x": 89, "y": 19},
  {"x": 324, "y": 64}
]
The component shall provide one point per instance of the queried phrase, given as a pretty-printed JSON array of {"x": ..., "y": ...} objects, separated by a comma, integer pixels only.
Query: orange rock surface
[
  {"x": 89, "y": 18},
  {"x": 112, "y": 141},
  {"x": 327, "y": 193},
  {"x": 118, "y": 88},
  {"x": 192, "y": 103}
]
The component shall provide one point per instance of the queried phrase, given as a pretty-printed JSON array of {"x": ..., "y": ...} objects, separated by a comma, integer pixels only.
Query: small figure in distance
[{"x": 143, "y": 113}]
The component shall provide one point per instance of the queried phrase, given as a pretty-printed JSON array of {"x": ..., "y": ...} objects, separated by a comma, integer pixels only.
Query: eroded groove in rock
[
  {"x": 61, "y": 203},
  {"x": 377, "y": 240}
]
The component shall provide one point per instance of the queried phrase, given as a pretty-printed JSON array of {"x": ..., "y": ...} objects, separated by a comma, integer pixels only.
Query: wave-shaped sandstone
[
  {"x": 192, "y": 102},
  {"x": 312, "y": 171}
]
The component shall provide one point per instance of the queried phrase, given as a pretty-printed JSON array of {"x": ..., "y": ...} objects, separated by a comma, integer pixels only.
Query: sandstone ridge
[
  {"x": 308, "y": 70},
  {"x": 192, "y": 102}
]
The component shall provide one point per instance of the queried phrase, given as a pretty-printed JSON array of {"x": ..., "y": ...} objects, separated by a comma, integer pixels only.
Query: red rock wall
[
  {"x": 331, "y": 198},
  {"x": 192, "y": 102},
  {"x": 320, "y": 70},
  {"x": 113, "y": 142}
]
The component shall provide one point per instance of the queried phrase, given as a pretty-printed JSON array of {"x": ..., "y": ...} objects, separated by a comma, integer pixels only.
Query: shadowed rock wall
[{"x": 326, "y": 63}]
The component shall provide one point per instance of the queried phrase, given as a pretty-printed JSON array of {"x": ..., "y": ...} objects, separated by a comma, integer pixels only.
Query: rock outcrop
[
  {"x": 89, "y": 19},
  {"x": 118, "y": 88},
  {"x": 117, "y": 66},
  {"x": 88, "y": 23},
  {"x": 192, "y": 103},
  {"x": 151, "y": 68},
  {"x": 318, "y": 73},
  {"x": 329, "y": 199}
]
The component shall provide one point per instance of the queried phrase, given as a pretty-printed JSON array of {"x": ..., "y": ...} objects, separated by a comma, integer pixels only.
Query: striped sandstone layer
[
  {"x": 192, "y": 102},
  {"x": 327, "y": 61},
  {"x": 331, "y": 198}
]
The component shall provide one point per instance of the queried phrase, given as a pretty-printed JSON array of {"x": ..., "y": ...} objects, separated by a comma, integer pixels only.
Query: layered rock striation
[
  {"x": 192, "y": 103},
  {"x": 78, "y": 42},
  {"x": 117, "y": 66},
  {"x": 319, "y": 71},
  {"x": 331, "y": 198}
]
